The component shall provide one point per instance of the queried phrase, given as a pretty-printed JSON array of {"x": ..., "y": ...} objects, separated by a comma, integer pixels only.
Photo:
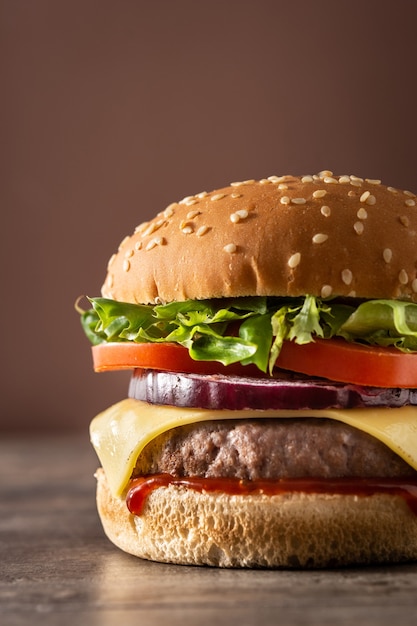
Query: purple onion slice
[{"x": 235, "y": 392}]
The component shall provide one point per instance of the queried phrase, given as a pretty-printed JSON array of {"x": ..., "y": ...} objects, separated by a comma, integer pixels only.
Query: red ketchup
[{"x": 140, "y": 488}]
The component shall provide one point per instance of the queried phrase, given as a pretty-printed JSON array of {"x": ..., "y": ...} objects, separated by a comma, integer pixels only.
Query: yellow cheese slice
[{"x": 120, "y": 433}]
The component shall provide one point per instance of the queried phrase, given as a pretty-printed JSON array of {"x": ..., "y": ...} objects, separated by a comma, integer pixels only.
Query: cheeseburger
[{"x": 271, "y": 418}]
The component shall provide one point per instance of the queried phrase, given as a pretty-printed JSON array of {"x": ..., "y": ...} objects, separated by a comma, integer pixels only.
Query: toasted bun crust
[
  {"x": 291, "y": 531},
  {"x": 319, "y": 235}
]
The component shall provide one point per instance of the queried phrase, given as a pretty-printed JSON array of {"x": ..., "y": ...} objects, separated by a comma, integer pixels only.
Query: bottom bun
[{"x": 294, "y": 530}]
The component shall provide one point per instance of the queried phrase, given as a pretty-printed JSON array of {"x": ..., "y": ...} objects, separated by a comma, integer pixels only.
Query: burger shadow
[{"x": 124, "y": 582}]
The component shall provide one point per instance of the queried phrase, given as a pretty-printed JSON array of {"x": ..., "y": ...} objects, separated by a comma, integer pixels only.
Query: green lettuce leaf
[
  {"x": 383, "y": 322},
  {"x": 227, "y": 350},
  {"x": 251, "y": 330},
  {"x": 280, "y": 330},
  {"x": 257, "y": 331},
  {"x": 306, "y": 321}
]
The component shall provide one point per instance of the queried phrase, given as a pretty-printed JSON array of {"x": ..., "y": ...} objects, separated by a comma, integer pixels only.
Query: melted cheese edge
[{"x": 120, "y": 433}]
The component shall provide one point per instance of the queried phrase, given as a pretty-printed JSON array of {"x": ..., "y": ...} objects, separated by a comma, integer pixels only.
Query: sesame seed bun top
[{"x": 321, "y": 235}]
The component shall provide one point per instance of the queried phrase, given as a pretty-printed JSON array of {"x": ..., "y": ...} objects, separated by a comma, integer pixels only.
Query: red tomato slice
[
  {"x": 169, "y": 357},
  {"x": 335, "y": 359}
]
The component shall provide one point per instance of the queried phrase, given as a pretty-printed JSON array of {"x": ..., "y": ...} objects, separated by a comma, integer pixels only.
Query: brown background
[{"x": 113, "y": 109}]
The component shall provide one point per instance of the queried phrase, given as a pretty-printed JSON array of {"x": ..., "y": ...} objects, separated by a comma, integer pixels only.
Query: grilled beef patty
[{"x": 270, "y": 448}]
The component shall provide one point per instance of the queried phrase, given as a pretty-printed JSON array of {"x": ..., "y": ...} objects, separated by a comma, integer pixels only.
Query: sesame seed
[
  {"x": 330, "y": 180},
  {"x": 236, "y": 195},
  {"x": 125, "y": 240},
  {"x": 126, "y": 265},
  {"x": 347, "y": 277},
  {"x": 325, "y": 173},
  {"x": 371, "y": 200},
  {"x": 414, "y": 285},
  {"x": 326, "y": 291},
  {"x": 410, "y": 194},
  {"x": 169, "y": 211},
  {"x": 192, "y": 214},
  {"x": 392, "y": 189},
  {"x": 307, "y": 179},
  {"x": 239, "y": 215},
  {"x": 294, "y": 260},
  {"x": 129, "y": 253},
  {"x": 355, "y": 182},
  {"x": 325, "y": 210},
  {"x": 298, "y": 200},
  {"x": 217, "y": 196},
  {"x": 319, "y": 193},
  {"x": 186, "y": 200},
  {"x": 404, "y": 220},
  {"x": 230, "y": 248},
  {"x": 285, "y": 200},
  {"x": 111, "y": 260},
  {"x": 153, "y": 226},
  {"x": 320, "y": 238},
  {"x": 403, "y": 277},
  {"x": 373, "y": 181},
  {"x": 365, "y": 196},
  {"x": 202, "y": 194},
  {"x": 410, "y": 202},
  {"x": 387, "y": 255},
  {"x": 276, "y": 179},
  {"x": 202, "y": 231},
  {"x": 264, "y": 181},
  {"x": 138, "y": 245},
  {"x": 156, "y": 241},
  {"x": 358, "y": 226},
  {"x": 357, "y": 178},
  {"x": 344, "y": 179},
  {"x": 362, "y": 214},
  {"x": 242, "y": 182},
  {"x": 352, "y": 194},
  {"x": 187, "y": 230},
  {"x": 282, "y": 186}
]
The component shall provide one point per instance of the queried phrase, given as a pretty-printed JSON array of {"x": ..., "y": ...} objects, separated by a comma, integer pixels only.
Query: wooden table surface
[{"x": 56, "y": 566}]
